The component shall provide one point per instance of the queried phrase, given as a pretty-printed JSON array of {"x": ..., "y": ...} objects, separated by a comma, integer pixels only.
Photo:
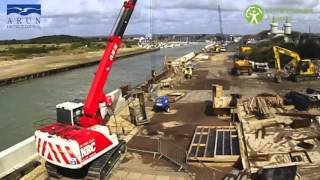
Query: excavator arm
[
  {"x": 91, "y": 115},
  {"x": 280, "y": 50},
  {"x": 299, "y": 69}
]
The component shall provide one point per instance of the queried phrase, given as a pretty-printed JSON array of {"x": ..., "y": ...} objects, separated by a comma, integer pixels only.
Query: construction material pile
[
  {"x": 304, "y": 100},
  {"x": 272, "y": 135},
  {"x": 260, "y": 105}
]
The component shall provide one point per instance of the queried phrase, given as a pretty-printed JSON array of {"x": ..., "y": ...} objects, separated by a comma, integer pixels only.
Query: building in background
[{"x": 284, "y": 32}]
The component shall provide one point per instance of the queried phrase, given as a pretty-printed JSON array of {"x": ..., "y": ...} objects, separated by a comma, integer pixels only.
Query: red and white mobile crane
[{"x": 79, "y": 138}]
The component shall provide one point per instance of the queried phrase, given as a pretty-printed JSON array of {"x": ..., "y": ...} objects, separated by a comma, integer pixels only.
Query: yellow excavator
[{"x": 297, "y": 69}]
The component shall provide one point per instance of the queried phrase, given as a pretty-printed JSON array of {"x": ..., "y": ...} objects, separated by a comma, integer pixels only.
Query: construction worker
[
  {"x": 188, "y": 73},
  {"x": 169, "y": 66},
  {"x": 153, "y": 75},
  {"x": 183, "y": 66}
]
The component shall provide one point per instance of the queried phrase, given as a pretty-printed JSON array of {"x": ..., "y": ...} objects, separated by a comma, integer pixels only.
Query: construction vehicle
[
  {"x": 241, "y": 66},
  {"x": 212, "y": 48},
  {"x": 80, "y": 138},
  {"x": 297, "y": 69},
  {"x": 245, "y": 50},
  {"x": 217, "y": 49},
  {"x": 260, "y": 66},
  {"x": 223, "y": 49}
]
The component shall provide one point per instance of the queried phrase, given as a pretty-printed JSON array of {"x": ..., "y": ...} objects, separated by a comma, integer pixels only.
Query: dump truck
[{"x": 241, "y": 65}]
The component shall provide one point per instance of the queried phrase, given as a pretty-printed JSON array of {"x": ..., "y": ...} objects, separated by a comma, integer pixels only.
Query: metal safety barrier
[
  {"x": 17, "y": 156},
  {"x": 173, "y": 153},
  {"x": 143, "y": 151}
]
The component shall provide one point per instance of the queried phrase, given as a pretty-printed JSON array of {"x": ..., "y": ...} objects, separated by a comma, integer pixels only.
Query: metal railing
[
  {"x": 17, "y": 156},
  {"x": 173, "y": 153},
  {"x": 143, "y": 151},
  {"x": 206, "y": 172},
  {"x": 179, "y": 156}
]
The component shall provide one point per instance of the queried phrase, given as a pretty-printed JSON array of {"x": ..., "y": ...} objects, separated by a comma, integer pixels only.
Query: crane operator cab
[{"x": 69, "y": 113}]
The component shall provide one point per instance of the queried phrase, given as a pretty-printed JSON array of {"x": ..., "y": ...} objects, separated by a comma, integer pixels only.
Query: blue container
[{"x": 162, "y": 103}]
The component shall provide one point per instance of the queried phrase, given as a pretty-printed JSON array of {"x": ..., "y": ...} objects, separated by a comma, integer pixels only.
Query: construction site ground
[{"x": 193, "y": 110}]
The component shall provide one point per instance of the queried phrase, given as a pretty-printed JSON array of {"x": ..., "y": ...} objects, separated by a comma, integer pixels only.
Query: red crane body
[{"x": 79, "y": 137}]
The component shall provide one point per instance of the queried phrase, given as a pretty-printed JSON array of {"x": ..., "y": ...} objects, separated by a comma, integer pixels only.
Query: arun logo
[
  {"x": 24, "y": 9},
  {"x": 23, "y": 16}
]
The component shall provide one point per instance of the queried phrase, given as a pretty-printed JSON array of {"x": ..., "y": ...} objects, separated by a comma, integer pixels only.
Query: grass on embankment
[{"x": 24, "y": 51}]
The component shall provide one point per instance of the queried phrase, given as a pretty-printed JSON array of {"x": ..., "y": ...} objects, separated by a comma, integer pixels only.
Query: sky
[{"x": 96, "y": 17}]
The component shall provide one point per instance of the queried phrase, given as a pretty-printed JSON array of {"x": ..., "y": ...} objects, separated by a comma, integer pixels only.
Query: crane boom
[{"x": 91, "y": 115}]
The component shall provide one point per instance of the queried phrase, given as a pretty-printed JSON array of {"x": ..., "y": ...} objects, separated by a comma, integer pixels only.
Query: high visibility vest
[
  {"x": 153, "y": 74},
  {"x": 187, "y": 71}
]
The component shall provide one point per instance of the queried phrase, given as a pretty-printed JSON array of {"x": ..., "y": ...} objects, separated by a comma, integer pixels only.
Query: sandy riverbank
[{"x": 17, "y": 70}]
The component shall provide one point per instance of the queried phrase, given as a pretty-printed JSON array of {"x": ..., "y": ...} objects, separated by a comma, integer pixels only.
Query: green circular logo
[{"x": 254, "y": 14}]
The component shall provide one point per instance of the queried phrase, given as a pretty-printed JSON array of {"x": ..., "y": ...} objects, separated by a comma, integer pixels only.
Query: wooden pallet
[{"x": 214, "y": 144}]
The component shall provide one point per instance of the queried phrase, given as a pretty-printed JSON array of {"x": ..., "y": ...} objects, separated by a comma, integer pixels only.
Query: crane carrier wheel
[{"x": 100, "y": 168}]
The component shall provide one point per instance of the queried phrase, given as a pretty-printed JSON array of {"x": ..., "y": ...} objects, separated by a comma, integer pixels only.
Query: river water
[{"x": 24, "y": 103}]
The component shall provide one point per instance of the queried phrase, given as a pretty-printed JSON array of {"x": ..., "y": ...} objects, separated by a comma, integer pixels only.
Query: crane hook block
[{"x": 108, "y": 101}]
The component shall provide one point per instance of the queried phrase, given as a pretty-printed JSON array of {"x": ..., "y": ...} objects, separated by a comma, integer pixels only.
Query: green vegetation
[
  {"x": 24, "y": 52},
  {"x": 20, "y": 49},
  {"x": 307, "y": 46},
  {"x": 45, "y": 40},
  {"x": 60, "y": 39},
  {"x": 32, "y": 50},
  {"x": 130, "y": 44}
]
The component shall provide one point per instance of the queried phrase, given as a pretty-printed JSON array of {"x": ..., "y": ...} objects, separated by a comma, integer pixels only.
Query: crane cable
[{"x": 152, "y": 59}]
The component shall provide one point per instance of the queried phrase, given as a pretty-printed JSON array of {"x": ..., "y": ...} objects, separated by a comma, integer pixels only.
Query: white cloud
[{"x": 96, "y": 17}]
